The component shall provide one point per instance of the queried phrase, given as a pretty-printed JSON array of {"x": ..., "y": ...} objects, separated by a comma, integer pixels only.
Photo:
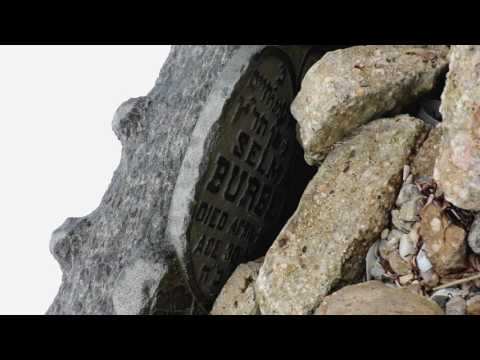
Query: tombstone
[{"x": 205, "y": 183}]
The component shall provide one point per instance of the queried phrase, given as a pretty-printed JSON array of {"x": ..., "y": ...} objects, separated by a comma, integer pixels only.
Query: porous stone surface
[
  {"x": 457, "y": 170},
  {"x": 375, "y": 298},
  {"x": 445, "y": 242},
  {"x": 342, "y": 212},
  {"x": 348, "y": 88},
  {"x": 238, "y": 294},
  {"x": 137, "y": 252},
  {"x": 424, "y": 163}
]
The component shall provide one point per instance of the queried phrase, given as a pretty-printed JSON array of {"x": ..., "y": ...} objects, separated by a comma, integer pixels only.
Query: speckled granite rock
[
  {"x": 238, "y": 294},
  {"x": 457, "y": 170},
  {"x": 137, "y": 253},
  {"x": 348, "y": 88},
  {"x": 374, "y": 298},
  {"x": 342, "y": 212}
]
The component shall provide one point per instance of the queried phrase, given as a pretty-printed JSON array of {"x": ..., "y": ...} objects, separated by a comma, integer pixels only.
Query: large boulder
[
  {"x": 375, "y": 298},
  {"x": 348, "y": 88},
  {"x": 342, "y": 212},
  {"x": 457, "y": 170}
]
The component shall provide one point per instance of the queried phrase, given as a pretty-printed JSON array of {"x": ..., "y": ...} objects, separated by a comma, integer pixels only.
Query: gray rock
[
  {"x": 474, "y": 236},
  {"x": 238, "y": 295},
  {"x": 198, "y": 189},
  {"x": 457, "y": 170},
  {"x": 342, "y": 212},
  {"x": 348, "y": 88}
]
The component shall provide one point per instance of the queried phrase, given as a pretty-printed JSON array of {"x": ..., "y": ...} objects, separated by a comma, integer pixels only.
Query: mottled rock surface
[
  {"x": 342, "y": 212},
  {"x": 444, "y": 241},
  {"x": 348, "y": 88},
  {"x": 424, "y": 163},
  {"x": 238, "y": 294},
  {"x": 130, "y": 255},
  {"x": 374, "y": 298},
  {"x": 457, "y": 170}
]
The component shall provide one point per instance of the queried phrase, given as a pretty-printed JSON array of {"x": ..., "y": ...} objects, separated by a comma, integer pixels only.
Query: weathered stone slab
[
  {"x": 374, "y": 298},
  {"x": 200, "y": 187},
  {"x": 348, "y": 88},
  {"x": 457, "y": 170},
  {"x": 341, "y": 214}
]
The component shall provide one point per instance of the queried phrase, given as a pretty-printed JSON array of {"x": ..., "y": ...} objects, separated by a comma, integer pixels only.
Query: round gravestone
[{"x": 234, "y": 182}]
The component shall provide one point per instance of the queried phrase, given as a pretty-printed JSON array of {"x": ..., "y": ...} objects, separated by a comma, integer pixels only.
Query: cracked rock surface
[
  {"x": 457, "y": 170},
  {"x": 342, "y": 212},
  {"x": 350, "y": 87}
]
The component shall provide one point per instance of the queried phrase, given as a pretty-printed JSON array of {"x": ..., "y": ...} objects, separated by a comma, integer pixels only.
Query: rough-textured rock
[
  {"x": 474, "y": 236},
  {"x": 350, "y": 87},
  {"x": 152, "y": 247},
  {"x": 444, "y": 241},
  {"x": 424, "y": 162},
  {"x": 456, "y": 306},
  {"x": 342, "y": 212},
  {"x": 457, "y": 170},
  {"x": 473, "y": 305},
  {"x": 238, "y": 294},
  {"x": 374, "y": 298}
]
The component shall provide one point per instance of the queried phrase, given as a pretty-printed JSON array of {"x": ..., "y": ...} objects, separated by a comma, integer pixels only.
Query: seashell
[
  {"x": 423, "y": 262},
  {"x": 371, "y": 260}
]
